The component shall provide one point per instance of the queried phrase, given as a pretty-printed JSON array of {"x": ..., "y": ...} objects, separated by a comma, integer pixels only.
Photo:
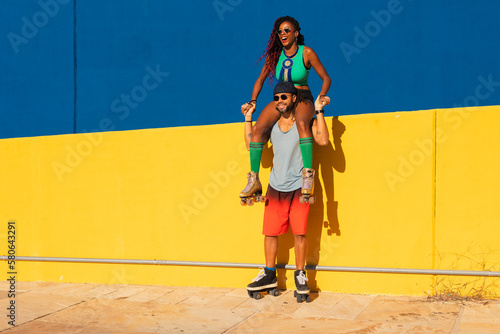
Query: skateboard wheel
[
  {"x": 256, "y": 295},
  {"x": 311, "y": 199},
  {"x": 274, "y": 292},
  {"x": 243, "y": 202},
  {"x": 308, "y": 299},
  {"x": 301, "y": 199},
  {"x": 250, "y": 202},
  {"x": 250, "y": 294}
]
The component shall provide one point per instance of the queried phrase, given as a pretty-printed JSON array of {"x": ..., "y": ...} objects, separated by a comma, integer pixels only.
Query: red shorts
[{"x": 283, "y": 209}]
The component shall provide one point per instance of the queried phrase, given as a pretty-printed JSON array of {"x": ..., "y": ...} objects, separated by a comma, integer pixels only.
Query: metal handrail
[{"x": 254, "y": 265}]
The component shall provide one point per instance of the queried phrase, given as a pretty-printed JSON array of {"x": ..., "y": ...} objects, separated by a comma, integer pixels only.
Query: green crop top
[{"x": 292, "y": 69}]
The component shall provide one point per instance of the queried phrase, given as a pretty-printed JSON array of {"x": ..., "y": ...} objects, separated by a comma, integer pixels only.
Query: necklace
[
  {"x": 286, "y": 67},
  {"x": 297, "y": 50}
]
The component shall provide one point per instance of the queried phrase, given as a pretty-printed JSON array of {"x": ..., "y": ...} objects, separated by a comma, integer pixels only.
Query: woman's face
[{"x": 287, "y": 33}]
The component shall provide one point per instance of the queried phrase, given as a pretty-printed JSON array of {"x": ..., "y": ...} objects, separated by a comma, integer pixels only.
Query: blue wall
[
  {"x": 36, "y": 69},
  {"x": 91, "y": 65}
]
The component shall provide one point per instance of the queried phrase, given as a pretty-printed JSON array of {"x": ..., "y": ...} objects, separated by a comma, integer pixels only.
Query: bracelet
[
  {"x": 320, "y": 111},
  {"x": 252, "y": 101},
  {"x": 249, "y": 121}
]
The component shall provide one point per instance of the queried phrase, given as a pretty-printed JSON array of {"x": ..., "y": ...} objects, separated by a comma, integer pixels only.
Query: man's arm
[
  {"x": 248, "y": 123},
  {"x": 319, "y": 128}
]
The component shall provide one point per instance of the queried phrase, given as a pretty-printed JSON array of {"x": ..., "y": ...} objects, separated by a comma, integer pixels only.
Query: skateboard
[
  {"x": 306, "y": 199},
  {"x": 256, "y": 294},
  {"x": 302, "y": 297},
  {"x": 250, "y": 200}
]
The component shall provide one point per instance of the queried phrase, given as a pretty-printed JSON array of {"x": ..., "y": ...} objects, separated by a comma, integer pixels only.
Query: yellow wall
[
  {"x": 468, "y": 192},
  {"x": 396, "y": 190}
]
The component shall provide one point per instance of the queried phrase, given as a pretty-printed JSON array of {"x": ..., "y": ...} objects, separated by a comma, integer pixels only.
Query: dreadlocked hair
[{"x": 274, "y": 46}]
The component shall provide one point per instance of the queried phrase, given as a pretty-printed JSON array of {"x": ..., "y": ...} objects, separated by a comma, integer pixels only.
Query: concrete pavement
[{"x": 43, "y": 307}]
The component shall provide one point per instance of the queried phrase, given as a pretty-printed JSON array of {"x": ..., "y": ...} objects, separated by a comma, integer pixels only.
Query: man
[{"x": 283, "y": 208}]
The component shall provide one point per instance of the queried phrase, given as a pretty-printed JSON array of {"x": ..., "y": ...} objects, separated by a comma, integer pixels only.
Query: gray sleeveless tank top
[{"x": 286, "y": 174}]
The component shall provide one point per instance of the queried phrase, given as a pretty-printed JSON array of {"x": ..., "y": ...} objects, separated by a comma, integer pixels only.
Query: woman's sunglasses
[
  {"x": 283, "y": 97},
  {"x": 286, "y": 30}
]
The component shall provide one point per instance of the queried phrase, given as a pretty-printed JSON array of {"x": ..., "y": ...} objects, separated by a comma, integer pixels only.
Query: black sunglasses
[
  {"x": 283, "y": 97},
  {"x": 286, "y": 30}
]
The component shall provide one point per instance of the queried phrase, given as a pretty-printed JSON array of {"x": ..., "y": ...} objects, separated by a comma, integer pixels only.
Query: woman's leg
[
  {"x": 304, "y": 113},
  {"x": 260, "y": 134}
]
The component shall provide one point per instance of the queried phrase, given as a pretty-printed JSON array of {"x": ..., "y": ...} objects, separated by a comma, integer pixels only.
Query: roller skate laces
[
  {"x": 308, "y": 181},
  {"x": 265, "y": 279},
  {"x": 253, "y": 186},
  {"x": 253, "y": 191},
  {"x": 301, "y": 281}
]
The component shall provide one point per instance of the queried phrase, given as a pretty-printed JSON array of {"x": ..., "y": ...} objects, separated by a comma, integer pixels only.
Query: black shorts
[{"x": 304, "y": 95}]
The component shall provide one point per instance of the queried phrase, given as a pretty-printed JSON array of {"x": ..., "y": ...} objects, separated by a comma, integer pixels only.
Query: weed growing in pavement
[
  {"x": 445, "y": 289},
  {"x": 458, "y": 289}
]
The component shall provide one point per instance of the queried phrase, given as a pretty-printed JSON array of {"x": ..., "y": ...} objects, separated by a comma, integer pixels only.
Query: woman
[{"x": 287, "y": 59}]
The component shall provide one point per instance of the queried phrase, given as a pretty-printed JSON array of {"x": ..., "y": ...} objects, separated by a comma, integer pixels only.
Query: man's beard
[{"x": 287, "y": 108}]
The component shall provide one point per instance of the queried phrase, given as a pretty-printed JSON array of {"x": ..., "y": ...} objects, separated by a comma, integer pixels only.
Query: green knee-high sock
[
  {"x": 255, "y": 155},
  {"x": 306, "y": 148}
]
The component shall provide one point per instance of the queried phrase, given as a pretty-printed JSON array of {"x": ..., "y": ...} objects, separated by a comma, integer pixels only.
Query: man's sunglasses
[
  {"x": 283, "y": 97},
  {"x": 286, "y": 30}
]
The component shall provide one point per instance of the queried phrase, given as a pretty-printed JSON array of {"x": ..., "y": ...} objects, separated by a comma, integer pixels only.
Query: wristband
[
  {"x": 248, "y": 121},
  {"x": 320, "y": 111},
  {"x": 253, "y": 101}
]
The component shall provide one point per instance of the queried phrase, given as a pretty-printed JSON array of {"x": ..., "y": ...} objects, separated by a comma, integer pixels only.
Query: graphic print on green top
[{"x": 292, "y": 68}]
